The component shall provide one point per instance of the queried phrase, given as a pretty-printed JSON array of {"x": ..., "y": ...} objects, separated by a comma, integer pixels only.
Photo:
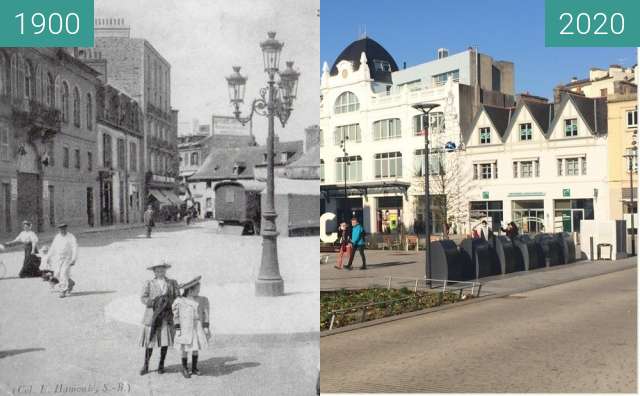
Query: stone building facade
[
  {"x": 136, "y": 68},
  {"x": 47, "y": 139}
]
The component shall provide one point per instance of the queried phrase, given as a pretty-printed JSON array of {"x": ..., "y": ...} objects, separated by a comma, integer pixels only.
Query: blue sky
[{"x": 513, "y": 30}]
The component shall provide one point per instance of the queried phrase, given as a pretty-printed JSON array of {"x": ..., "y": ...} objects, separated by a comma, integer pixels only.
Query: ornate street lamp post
[
  {"x": 631, "y": 155},
  {"x": 276, "y": 100},
  {"x": 426, "y": 108}
]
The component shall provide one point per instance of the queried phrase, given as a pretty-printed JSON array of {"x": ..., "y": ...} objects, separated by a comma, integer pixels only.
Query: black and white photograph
[{"x": 159, "y": 203}]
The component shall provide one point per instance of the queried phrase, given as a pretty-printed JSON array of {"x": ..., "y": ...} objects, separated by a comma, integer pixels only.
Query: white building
[
  {"x": 368, "y": 102},
  {"x": 541, "y": 165}
]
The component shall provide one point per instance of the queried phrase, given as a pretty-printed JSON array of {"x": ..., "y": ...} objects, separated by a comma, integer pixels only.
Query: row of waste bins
[{"x": 478, "y": 258}]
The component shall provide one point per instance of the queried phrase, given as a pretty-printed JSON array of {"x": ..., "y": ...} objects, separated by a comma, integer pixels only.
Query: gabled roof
[
  {"x": 542, "y": 113},
  {"x": 592, "y": 110},
  {"x": 500, "y": 117}
]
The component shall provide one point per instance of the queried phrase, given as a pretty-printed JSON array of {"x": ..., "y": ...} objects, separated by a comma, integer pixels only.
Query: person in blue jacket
[{"x": 357, "y": 243}]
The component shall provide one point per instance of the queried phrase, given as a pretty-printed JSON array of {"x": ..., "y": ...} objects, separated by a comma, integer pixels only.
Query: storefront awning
[
  {"x": 364, "y": 189},
  {"x": 159, "y": 196},
  {"x": 172, "y": 197}
]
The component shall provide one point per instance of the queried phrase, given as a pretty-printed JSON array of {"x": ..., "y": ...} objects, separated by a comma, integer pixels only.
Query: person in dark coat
[
  {"x": 345, "y": 244},
  {"x": 29, "y": 239},
  {"x": 511, "y": 231},
  {"x": 149, "y": 222},
  {"x": 158, "y": 295}
]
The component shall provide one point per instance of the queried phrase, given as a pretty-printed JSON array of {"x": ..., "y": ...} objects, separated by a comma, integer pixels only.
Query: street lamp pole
[
  {"x": 632, "y": 155},
  {"x": 425, "y": 108},
  {"x": 276, "y": 100},
  {"x": 345, "y": 162}
]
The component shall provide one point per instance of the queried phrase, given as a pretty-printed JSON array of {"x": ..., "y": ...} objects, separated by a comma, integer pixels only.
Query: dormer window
[
  {"x": 380, "y": 65},
  {"x": 571, "y": 127},
  {"x": 485, "y": 135},
  {"x": 526, "y": 132},
  {"x": 239, "y": 167}
]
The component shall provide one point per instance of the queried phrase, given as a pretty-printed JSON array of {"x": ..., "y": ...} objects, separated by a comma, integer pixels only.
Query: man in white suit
[{"x": 63, "y": 254}]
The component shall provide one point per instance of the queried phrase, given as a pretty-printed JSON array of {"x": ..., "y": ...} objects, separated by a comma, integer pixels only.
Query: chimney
[
  {"x": 442, "y": 53},
  {"x": 404, "y": 65}
]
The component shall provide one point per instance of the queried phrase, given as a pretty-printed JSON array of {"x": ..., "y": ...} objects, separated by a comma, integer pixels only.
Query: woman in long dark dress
[{"x": 31, "y": 263}]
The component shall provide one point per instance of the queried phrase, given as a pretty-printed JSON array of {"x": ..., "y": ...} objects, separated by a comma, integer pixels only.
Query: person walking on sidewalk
[
  {"x": 357, "y": 243},
  {"x": 158, "y": 295},
  {"x": 149, "y": 223},
  {"x": 31, "y": 262},
  {"x": 345, "y": 245},
  {"x": 191, "y": 313},
  {"x": 63, "y": 254}
]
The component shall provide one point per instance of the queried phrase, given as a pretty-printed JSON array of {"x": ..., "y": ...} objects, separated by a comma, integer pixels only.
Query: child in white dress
[{"x": 191, "y": 319}]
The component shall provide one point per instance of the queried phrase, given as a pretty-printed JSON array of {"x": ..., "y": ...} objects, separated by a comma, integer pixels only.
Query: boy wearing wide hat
[
  {"x": 63, "y": 254},
  {"x": 191, "y": 317},
  {"x": 157, "y": 295}
]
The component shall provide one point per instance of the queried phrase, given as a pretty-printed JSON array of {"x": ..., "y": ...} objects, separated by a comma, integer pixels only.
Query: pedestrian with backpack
[{"x": 357, "y": 243}]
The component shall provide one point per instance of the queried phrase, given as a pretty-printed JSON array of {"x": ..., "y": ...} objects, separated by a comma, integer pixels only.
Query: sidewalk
[{"x": 382, "y": 264}]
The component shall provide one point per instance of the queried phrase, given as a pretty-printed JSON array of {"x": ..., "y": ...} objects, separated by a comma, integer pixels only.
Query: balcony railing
[{"x": 30, "y": 113}]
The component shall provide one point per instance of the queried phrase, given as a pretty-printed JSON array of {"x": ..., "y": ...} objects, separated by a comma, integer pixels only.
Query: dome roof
[{"x": 374, "y": 52}]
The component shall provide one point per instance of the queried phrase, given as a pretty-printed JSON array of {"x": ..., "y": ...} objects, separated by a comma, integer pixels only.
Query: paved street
[
  {"x": 90, "y": 338},
  {"x": 575, "y": 337}
]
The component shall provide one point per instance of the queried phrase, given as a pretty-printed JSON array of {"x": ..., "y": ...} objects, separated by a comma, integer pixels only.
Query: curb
[
  {"x": 463, "y": 303},
  {"x": 260, "y": 338}
]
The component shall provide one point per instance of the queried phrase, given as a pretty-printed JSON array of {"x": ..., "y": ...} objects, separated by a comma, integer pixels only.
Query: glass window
[
  {"x": 436, "y": 163},
  {"x": 346, "y": 103},
  {"x": 380, "y": 65},
  {"x": 572, "y": 167},
  {"x": 485, "y": 135},
  {"x": 4, "y": 143},
  {"x": 89, "y": 112},
  {"x": 133, "y": 157},
  {"x": 351, "y": 165},
  {"x": 65, "y": 157},
  {"x": 515, "y": 169},
  {"x": 194, "y": 159},
  {"x": 441, "y": 79},
  {"x": 388, "y": 165},
  {"x": 121, "y": 154},
  {"x": 351, "y": 131},
  {"x": 50, "y": 90},
  {"x": 525, "y": 131},
  {"x": 560, "y": 167},
  {"x": 77, "y": 158},
  {"x": 76, "y": 107},
  {"x": 571, "y": 127},
  {"x": 485, "y": 171},
  {"x": 526, "y": 169},
  {"x": 106, "y": 151},
  {"x": 89, "y": 161},
  {"x": 632, "y": 118},
  {"x": 387, "y": 129},
  {"x": 65, "y": 101}
]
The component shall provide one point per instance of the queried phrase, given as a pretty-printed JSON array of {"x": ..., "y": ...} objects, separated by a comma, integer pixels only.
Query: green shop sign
[
  {"x": 566, "y": 192},
  {"x": 485, "y": 195}
]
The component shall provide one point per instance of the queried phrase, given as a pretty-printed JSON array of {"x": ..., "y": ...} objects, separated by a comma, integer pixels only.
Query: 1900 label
[{"x": 46, "y": 23}]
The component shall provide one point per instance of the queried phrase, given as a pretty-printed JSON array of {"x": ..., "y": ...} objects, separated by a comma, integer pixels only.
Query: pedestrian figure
[
  {"x": 345, "y": 246},
  {"x": 148, "y": 220},
  {"x": 47, "y": 266},
  {"x": 485, "y": 231},
  {"x": 511, "y": 231},
  {"x": 31, "y": 262},
  {"x": 62, "y": 255},
  {"x": 191, "y": 314},
  {"x": 357, "y": 243},
  {"x": 157, "y": 295}
]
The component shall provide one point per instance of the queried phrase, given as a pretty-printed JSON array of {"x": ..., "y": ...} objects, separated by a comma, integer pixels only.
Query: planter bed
[{"x": 356, "y": 306}]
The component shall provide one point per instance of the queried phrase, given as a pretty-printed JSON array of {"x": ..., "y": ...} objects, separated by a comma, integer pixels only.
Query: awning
[
  {"x": 172, "y": 197},
  {"x": 159, "y": 196}
]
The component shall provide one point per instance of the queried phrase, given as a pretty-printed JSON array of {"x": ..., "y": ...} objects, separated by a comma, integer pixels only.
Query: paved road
[
  {"x": 574, "y": 337},
  {"x": 48, "y": 341}
]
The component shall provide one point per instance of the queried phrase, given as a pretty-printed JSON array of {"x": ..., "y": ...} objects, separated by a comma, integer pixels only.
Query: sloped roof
[
  {"x": 592, "y": 110},
  {"x": 542, "y": 113},
  {"x": 500, "y": 117},
  {"x": 309, "y": 159},
  {"x": 373, "y": 51}
]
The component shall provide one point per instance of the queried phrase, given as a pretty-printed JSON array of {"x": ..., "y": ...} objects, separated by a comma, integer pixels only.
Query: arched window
[
  {"x": 28, "y": 81},
  {"x": 346, "y": 103},
  {"x": 64, "y": 95},
  {"x": 14, "y": 75},
  {"x": 89, "y": 112},
  {"x": 194, "y": 159},
  {"x": 49, "y": 90},
  {"x": 39, "y": 80},
  {"x": 76, "y": 107}
]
